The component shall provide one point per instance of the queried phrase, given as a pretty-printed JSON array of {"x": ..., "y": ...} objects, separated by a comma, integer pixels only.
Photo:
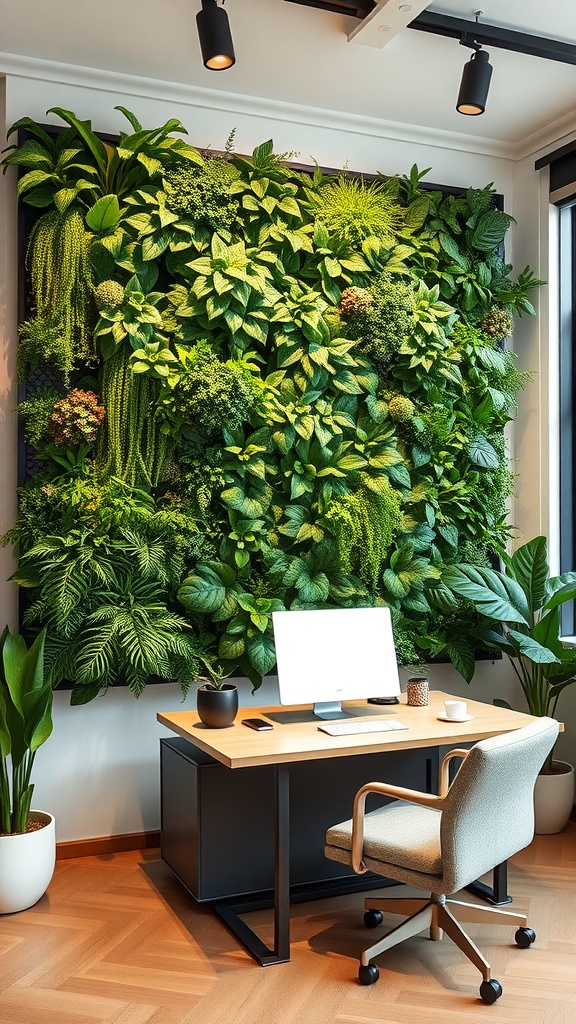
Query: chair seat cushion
[{"x": 399, "y": 833}]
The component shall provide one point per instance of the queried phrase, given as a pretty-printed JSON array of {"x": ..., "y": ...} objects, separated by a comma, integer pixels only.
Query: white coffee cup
[{"x": 455, "y": 709}]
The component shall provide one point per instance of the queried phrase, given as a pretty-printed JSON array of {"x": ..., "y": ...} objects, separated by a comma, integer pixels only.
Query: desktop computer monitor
[{"x": 326, "y": 656}]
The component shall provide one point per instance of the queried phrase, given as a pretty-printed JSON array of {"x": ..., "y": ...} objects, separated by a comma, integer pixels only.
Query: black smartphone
[
  {"x": 382, "y": 700},
  {"x": 257, "y": 723}
]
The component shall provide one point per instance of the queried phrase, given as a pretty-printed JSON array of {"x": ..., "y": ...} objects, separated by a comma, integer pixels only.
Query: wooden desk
[{"x": 295, "y": 737}]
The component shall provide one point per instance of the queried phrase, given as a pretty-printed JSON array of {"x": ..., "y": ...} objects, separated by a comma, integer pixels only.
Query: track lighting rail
[{"x": 491, "y": 35}]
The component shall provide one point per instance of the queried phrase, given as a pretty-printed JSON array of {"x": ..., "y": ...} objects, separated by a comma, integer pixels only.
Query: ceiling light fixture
[
  {"x": 476, "y": 76},
  {"x": 215, "y": 37}
]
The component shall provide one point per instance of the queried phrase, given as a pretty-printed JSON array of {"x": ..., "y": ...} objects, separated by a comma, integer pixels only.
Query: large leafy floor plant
[
  {"x": 25, "y": 724},
  {"x": 521, "y": 610}
]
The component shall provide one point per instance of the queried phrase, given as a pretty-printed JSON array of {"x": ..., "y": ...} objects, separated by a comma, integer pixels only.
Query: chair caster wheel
[
  {"x": 368, "y": 975},
  {"x": 490, "y": 991},
  {"x": 372, "y": 918},
  {"x": 524, "y": 937}
]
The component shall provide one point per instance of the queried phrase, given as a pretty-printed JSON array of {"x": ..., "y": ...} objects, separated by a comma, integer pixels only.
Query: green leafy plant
[
  {"x": 383, "y": 324},
  {"x": 25, "y": 724},
  {"x": 305, "y": 390},
  {"x": 36, "y": 412},
  {"x": 524, "y": 601},
  {"x": 77, "y": 166},
  {"x": 104, "y": 602}
]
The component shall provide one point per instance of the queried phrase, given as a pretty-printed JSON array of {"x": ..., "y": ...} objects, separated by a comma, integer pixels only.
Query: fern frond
[{"x": 97, "y": 654}]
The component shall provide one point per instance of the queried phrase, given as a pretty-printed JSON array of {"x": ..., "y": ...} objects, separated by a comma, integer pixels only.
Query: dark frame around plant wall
[{"x": 27, "y": 464}]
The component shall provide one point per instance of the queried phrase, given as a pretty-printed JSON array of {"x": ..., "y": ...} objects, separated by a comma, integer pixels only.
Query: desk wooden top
[{"x": 295, "y": 735}]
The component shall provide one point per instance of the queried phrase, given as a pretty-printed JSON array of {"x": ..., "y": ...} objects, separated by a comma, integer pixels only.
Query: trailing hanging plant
[{"x": 61, "y": 278}]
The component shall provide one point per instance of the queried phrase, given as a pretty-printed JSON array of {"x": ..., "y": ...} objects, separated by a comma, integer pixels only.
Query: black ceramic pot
[{"x": 217, "y": 708}]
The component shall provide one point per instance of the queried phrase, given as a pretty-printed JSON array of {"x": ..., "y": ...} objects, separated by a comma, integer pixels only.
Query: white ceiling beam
[{"x": 388, "y": 18}]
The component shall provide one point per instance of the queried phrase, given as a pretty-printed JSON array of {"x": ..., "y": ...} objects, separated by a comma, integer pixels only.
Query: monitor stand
[{"x": 328, "y": 709}]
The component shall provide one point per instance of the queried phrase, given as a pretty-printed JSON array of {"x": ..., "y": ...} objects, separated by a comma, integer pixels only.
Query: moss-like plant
[
  {"x": 382, "y": 325},
  {"x": 202, "y": 194},
  {"x": 364, "y": 524},
  {"x": 212, "y": 395},
  {"x": 43, "y": 343}
]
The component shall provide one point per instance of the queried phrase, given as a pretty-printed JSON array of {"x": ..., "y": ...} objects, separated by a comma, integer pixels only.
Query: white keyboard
[{"x": 359, "y": 725}]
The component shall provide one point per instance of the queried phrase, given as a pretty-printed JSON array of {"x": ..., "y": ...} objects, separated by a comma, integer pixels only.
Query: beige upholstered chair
[{"x": 443, "y": 843}]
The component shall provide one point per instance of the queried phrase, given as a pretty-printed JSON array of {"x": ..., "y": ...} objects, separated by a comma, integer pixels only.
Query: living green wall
[{"x": 268, "y": 389}]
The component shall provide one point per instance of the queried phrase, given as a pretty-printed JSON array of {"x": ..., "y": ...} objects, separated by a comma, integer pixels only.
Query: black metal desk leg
[
  {"x": 497, "y": 893},
  {"x": 282, "y": 866},
  {"x": 228, "y": 911}
]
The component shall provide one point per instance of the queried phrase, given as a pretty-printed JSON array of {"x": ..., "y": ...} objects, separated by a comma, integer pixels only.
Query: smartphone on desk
[{"x": 257, "y": 723}]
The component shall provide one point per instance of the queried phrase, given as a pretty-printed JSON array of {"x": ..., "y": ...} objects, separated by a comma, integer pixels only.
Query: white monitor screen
[{"x": 335, "y": 654}]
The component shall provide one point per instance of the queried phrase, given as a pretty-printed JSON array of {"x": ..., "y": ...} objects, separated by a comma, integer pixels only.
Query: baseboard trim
[{"x": 108, "y": 844}]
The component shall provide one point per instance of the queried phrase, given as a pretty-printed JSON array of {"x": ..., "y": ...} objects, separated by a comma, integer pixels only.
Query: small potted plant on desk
[
  {"x": 217, "y": 699},
  {"x": 27, "y": 838},
  {"x": 523, "y": 602}
]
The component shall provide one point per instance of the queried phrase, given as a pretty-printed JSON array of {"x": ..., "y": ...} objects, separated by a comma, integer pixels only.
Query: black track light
[
  {"x": 475, "y": 84},
  {"x": 215, "y": 37}
]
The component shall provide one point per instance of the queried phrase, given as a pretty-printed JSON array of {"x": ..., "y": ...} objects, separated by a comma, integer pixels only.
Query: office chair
[{"x": 443, "y": 843}]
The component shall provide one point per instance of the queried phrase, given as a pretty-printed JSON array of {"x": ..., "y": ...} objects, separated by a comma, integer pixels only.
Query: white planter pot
[
  {"x": 553, "y": 800},
  {"x": 26, "y": 865}
]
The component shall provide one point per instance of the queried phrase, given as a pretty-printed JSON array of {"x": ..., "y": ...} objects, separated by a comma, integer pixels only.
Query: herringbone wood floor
[{"x": 117, "y": 941}]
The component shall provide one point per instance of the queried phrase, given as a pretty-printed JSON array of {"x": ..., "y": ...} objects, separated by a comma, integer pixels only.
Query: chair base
[{"x": 434, "y": 914}]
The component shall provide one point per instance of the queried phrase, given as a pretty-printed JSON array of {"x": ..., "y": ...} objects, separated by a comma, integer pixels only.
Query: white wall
[{"x": 99, "y": 771}]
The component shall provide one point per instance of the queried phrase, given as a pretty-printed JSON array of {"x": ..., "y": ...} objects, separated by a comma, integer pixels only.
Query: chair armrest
[
  {"x": 384, "y": 789},
  {"x": 443, "y": 778}
]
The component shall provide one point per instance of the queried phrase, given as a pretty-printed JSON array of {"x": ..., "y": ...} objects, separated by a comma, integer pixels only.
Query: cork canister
[{"x": 417, "y": 691}]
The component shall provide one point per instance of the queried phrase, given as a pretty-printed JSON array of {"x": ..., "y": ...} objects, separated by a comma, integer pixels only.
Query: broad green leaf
[
  {"x": 461, "y": 654},
  {"x": 529, "y": 565},
  {"x": 104, "y": 215},
  {"x": 560, "y": 589},
  {"x": 202, "y": 592},
  {"x": 316, "y": 589},
  {"x": 32, "y": 180},
  {"x": 262, "y": 653},
  {"x": 482, "y": 453},
  {"x": 531, "y": 649},
  {"x": 231, "y": 647},
  {"x": 492, "y": 593},
  {"x": 449, "y": 533}
]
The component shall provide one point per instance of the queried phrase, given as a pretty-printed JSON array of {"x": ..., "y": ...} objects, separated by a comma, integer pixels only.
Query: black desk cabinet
[{"x": 217, "y": 824}]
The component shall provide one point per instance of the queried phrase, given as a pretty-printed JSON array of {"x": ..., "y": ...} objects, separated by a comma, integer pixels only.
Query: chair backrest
[{"x": 489, "y": 813}]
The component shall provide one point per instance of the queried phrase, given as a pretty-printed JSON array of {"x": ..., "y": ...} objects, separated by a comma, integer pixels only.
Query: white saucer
[{"x": 464, "y": 718}]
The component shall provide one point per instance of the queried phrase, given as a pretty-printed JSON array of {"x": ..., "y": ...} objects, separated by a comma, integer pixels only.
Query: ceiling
[{"x": 301, "y": 55}]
